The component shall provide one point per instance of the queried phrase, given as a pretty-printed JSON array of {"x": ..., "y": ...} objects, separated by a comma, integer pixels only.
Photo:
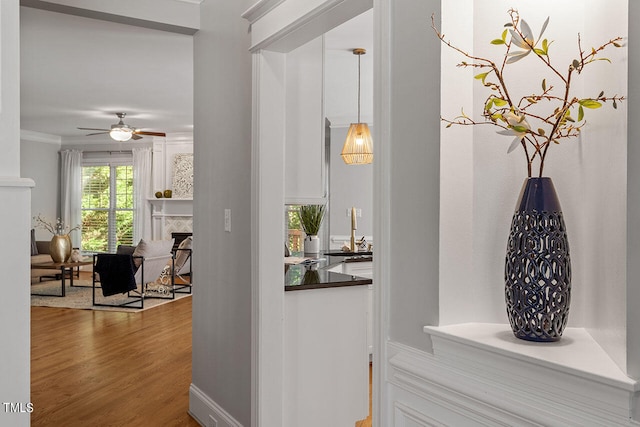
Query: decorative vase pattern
[
  {"x": 60, "y": 248},
  {"x": 538, "y": 265}
]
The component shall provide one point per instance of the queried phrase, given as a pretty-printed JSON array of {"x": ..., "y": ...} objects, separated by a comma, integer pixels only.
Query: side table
[{"x": 66, "y": 268}]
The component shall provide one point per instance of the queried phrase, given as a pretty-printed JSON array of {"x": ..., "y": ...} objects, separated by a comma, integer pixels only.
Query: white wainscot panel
[{"x": 480, "y": 374}]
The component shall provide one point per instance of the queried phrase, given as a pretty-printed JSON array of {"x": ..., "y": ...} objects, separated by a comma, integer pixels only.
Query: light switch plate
[{"x": 227, "y": 220}]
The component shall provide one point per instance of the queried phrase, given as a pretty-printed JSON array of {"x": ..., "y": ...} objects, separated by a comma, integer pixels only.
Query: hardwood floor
[
  {"x": 103, "y": 368},
  {"x": 99, "y": 368}
]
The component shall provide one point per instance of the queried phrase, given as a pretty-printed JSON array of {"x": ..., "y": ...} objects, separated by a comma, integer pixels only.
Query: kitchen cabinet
[
  {"x": 305, "y": 169},
  {"x": 326, "y": 369}
]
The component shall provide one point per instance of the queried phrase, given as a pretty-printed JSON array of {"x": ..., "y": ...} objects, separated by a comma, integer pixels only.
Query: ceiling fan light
[{"x": 121, "y": 134}]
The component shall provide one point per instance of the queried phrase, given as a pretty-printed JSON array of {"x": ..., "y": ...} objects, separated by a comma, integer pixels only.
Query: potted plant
[
  {"x": 311, "y": 218},
  {"x": 537, "y": 267}
]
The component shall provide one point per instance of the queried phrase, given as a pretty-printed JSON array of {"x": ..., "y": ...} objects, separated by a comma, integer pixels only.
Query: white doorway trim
[{"x": 277, "y": 27}]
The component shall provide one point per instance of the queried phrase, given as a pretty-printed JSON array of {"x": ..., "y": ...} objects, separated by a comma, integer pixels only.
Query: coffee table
[{"x": 66, "y": 268}]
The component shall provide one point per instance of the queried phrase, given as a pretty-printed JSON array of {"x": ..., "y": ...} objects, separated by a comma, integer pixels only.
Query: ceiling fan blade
[
  {"x": 96, "y": 133},
  {"x": 139, "y": 132},
  {"x": 135, "y": 137},
  {"x": 103, "y": 130}
]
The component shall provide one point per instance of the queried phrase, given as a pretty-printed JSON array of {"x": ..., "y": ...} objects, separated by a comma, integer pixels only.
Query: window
[
  {"x": 295, "y": 235},
  {"x": 107, "y": 207}
]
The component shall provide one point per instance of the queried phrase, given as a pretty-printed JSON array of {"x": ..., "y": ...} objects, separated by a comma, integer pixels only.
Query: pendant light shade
[{"x": 358, "y": 147}]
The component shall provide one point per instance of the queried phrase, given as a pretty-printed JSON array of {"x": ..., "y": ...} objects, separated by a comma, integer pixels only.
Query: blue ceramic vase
[{"x": 538, "y": 267}]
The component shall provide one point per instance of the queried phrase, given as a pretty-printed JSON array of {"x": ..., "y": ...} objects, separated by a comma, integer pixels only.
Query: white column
[{"x": 15, "y": 193}]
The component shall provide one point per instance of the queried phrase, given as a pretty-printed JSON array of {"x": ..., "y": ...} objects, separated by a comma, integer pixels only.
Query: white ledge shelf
[
  {"x": 171, "y": 206},
  {"x": 576, "y": 354}
]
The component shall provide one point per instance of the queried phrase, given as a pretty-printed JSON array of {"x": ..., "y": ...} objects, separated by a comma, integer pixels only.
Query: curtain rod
[{"x": 107, "y": 151}]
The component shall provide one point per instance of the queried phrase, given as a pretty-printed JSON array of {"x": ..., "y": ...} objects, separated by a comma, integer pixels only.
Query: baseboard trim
[{"x": 207, "y": 412}]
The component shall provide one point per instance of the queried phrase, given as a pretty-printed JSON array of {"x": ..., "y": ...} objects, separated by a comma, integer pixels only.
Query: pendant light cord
[{"x": 359, "y": 88}]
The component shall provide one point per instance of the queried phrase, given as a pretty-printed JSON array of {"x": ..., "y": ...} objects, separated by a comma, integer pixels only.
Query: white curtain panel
[
  {"x": 71, "y": 191},
  {"x": 141, "y": 192}
]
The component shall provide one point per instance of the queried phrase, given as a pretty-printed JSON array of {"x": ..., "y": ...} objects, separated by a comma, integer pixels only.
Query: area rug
[{"x": 80, "y": 296}]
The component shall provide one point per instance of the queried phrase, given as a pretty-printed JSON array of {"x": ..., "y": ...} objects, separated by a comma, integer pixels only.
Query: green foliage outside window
[
  {"x": 107, "y": 217},
  {"x": 294, "y": 228}
]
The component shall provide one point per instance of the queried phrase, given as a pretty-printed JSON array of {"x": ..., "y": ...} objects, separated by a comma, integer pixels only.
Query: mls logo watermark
[{"x": 17, "y": 407}]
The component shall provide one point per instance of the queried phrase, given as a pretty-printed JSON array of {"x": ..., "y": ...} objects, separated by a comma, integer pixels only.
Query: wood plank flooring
[
  {"x": 99, "y": 368},
  {"x": 102, "y": 368}
]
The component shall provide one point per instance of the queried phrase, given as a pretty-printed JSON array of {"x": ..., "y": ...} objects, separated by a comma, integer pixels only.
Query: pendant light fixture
[{"x": 358, "y": 147}]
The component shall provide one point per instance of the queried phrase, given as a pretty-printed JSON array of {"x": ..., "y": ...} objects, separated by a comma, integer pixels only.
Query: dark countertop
[
  {"x": 300, "y": 277},
  {"x": 347, "y": 254}
]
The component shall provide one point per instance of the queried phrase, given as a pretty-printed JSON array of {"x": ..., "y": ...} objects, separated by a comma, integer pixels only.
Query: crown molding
[
  {"x": 282, "y": 26},
  {"x": 260, "y": 9}
]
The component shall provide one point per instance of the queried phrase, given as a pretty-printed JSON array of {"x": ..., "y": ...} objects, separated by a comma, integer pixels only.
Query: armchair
[
  {"x": 133, "y": 274},
  {"x": 179, "y": 271}
]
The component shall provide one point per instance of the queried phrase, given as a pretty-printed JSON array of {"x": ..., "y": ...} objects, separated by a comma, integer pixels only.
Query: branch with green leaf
[{"x": 551, "y": 110}]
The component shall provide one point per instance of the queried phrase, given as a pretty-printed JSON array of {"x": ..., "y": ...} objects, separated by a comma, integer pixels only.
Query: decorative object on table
[
  {"x": 60, "y": 248},
  {"x": 361, "y": 244},
  {"x": 158, "y": 194},
  {"x": 76, "y": 256},
  {"x": 537, "y": 265},
  {"x": 60, "y": 245},
  {"x": 358, "y": 146},
  {"x": 168, "y": 194},
  {"x": 183, "y": 175},
  {"x": 311, "y": 218},
  {"x": 354, "y": 226}
]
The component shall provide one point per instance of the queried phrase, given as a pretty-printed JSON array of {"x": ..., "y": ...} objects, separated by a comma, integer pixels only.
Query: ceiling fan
[{"x": 123, "y": 132}]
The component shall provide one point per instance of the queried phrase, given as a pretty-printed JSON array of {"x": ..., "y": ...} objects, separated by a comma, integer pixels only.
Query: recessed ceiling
[{"x": 78, "y": 72}]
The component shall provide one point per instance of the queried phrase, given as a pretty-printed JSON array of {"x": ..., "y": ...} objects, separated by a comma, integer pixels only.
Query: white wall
[
  {"x": 601, "y": 235},
  {"x": 349, "y": 185},
  {"x": 410, "y": 162},
  {"x": 222, "y": 155},
  {"x": 589, "y": 173},
  {"x": 40, "y": 162},
  {"x": 341, "y": 76},
  {"x": 456, "y": 162},
  {"x": 633, "y": 198},
  {"x": 164, "y": 152}
]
